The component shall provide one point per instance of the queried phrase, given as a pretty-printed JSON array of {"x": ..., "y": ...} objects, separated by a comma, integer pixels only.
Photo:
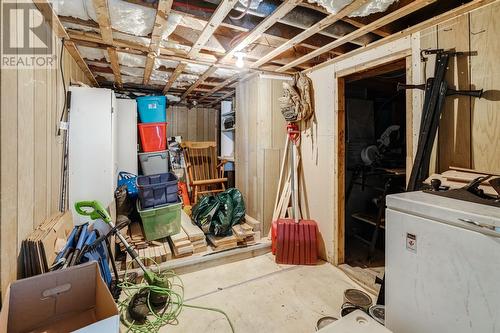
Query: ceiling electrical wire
[{"x": 247, "y": 8}]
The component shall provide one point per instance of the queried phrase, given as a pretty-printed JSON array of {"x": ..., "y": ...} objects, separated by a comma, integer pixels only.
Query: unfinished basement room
[{"x": 250, "y": 166}]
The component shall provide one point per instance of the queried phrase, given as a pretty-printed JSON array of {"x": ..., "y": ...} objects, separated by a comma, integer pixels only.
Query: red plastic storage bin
[{"x": 153, "y": 136}]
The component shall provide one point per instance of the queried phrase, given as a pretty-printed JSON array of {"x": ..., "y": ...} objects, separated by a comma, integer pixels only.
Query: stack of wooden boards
[
  {"x": 460, "y": 177},
  {"x": 190, "y": 240},
  {"x": 244, "y": 234},
  {"x": 39, "y": 249},
  {"x": 152, "y": 252}
]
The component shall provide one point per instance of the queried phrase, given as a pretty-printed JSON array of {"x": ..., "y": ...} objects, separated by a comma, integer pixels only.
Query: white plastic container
[
  {"x": 154, "y": 163},
  {"x": 355, "y": 322}
]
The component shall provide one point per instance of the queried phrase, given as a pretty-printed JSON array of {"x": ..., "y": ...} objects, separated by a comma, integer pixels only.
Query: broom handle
[{"x": 295, "y": 185}]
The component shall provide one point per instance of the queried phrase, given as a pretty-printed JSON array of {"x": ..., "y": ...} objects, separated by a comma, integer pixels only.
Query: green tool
[{"x": 95, "y": 210}]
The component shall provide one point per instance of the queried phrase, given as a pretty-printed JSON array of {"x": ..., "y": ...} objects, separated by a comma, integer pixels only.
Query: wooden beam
[
  {"x": 380, "y": 32},
  {"x": 326, "y": 22},
  {"x": 163, "y": 10},
  {"x": 391, "y": 17},
  {"x": 223, "y": 97},
  {"x": 220, "y": 14},
  {"x": 202, "y": 78},
  {"x": 131, "y": 47},
  {"x": 52, "y": 19},
  {"x": 115, "y": 65},
  {"x": 102, "y": 11},
  {"x": 468, "y": 7},
  {"x": 257, "y": 32},
  {"x": 174, "y": 76},
  {"x": 221, "y": 86},
  {"x": 73, "y": 51}
]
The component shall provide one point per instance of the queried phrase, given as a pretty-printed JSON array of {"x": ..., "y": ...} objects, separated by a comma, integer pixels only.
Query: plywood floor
[{"x": 261, "y": 296}]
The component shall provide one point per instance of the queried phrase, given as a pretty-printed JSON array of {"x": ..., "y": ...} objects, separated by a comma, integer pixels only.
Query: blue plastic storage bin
[
  {"x": 152, "y": 109},
  {"x": 157, "y": 190}
]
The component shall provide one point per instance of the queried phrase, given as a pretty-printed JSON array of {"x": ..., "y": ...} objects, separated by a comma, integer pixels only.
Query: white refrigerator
[{"x": 442, "y": 265}]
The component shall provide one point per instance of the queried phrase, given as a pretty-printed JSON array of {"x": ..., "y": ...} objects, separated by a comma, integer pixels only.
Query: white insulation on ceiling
[
  {"x": 224, "y": 73},
  {"x": 130, "y": 60},
  {"x": 196, "y": 69},
  {"x": 91, "y": 53},
  {"x": 132, "y": 71},
  {"x": 125, "y": 16},
  {"x": 159, "y": 76},
  {"x": 165, "y": 63},
  {"x": 374, "y": 6},
  {"x": 254, "y": 4}
]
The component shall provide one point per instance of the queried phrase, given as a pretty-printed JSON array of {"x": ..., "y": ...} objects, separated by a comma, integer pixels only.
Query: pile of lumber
[
  {"x": 39, "y": 249},
  {"x": 460, "y": 177},
  {"x": 181, "y": 245},
  {"x": 194, "y": 233},
  {"x": 256, "y": 227},
  {"x": 223, "y": 243},
  {"x": 155, "y": 253},
  {"x": 150, "y": 251},
  {"x": 244, "y": 234}
]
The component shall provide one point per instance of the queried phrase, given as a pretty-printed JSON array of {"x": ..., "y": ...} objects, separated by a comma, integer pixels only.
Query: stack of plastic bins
[
  {"x": 153, "y": 134},
  {"x": 159, "y": 205}
]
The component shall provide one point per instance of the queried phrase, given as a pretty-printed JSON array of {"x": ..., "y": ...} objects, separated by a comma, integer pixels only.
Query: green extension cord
[{"x": 169, "y": 315}]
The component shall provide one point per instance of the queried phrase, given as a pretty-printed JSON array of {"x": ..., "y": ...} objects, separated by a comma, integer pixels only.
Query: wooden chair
[{"x": 206, "y": 175}]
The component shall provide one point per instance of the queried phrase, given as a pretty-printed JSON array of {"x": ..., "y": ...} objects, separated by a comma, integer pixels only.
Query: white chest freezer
[{"x": 442, "y": 265}]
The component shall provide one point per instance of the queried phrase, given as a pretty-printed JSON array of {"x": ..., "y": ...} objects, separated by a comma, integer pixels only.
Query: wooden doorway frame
[{"x": 339, "y": 146}]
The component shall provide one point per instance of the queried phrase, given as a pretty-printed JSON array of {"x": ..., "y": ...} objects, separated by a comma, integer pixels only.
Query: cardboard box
[{"x": 73, "y": 299}]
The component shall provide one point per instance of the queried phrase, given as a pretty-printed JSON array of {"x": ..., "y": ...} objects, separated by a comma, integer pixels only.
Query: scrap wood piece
[
  {"x": 253, "y": 223},
  {"x": 193, "y": 232},
  {"x": 181, "y": 236},
  {"x": 218, "y": 241}
]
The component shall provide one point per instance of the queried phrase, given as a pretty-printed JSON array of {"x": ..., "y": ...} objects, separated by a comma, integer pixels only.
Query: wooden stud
[
  {"x": 384, "y": 20},
  {"x": 339, "y": 152},
  {"x": 315, "y": 28}
]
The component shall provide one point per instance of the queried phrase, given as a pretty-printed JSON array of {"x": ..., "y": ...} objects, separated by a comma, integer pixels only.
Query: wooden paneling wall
[
  {"x": 196, "y": 124},
  {"x": 259, "y": 143},
  {"x": 469, "y": 130},
  {"x": 31, "y": 104}
]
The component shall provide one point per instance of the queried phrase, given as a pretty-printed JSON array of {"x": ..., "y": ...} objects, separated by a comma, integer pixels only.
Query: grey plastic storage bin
[{"x": 154, "y": 163}]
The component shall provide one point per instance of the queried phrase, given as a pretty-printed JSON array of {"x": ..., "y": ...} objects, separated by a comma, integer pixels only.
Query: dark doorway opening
[{"x": 375, "y": 158}]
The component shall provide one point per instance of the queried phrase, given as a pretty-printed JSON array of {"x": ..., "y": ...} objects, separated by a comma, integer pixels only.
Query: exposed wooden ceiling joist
[
  {"x": 472, "y": 5},
  {"x": 102, "y": 11},
  {"x": 178, "y": 70},
  {"x": 220, "y": 14},
  {"x": 327, "y": 21},
  {"x": 390, "y": 17},
  {"x": 221, "y": 86},
  {"x": 202, "y": 78},
  {"x": 52, "y": 19},
  {"x": 115, "y": 65},
  {"x": 223, "y": 97},
  {"x": 263, "y": 26},
  {"x": 163, "y": 10}
]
